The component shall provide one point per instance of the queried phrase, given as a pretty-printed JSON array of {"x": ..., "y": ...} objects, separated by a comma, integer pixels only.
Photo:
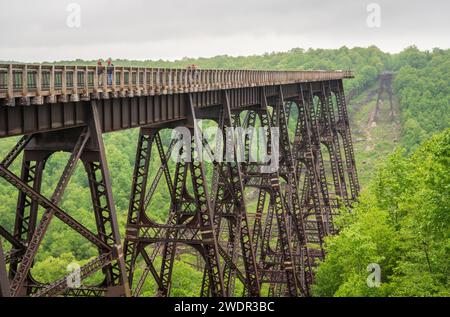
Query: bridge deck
[
  {"x": 41, "y": 98},
  {"x": 31, "y": 83}
]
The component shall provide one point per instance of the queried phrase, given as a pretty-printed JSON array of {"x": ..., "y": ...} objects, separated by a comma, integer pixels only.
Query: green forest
[{"x": 402, "y": 218}]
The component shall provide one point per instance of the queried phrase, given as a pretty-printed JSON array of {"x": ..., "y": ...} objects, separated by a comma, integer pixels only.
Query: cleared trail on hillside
[{"x": 375, "y": 123}]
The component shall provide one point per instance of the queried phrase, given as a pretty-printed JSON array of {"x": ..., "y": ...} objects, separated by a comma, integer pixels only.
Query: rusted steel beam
[
  {"x": 83, "y": 291},
  {"x": 18, "y": 148},
  {"x": 39, "y": 233},
  {"x": 11, "y": 239},
  {"x": 137, "y": 197},
  {"x": 105, "y": 210},
  {"x": 46, "y": 203},
  {"x": 107, "y": 237},
  {"x": 131, "y": 112},
  {"x": 61, "y": 286},
  {"x": 27, "y": 208},
  {"x": 4, "y": 281}
]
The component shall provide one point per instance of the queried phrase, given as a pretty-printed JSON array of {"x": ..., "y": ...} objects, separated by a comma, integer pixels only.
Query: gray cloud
[{"x": 36, "y": 30}]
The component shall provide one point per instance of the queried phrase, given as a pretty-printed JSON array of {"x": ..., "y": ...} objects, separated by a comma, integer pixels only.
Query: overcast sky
[{"x": 37, "y": 30}]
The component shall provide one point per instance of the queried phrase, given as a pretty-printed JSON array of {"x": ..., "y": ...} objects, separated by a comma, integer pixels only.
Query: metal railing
[{"x": 85, "y": 82}]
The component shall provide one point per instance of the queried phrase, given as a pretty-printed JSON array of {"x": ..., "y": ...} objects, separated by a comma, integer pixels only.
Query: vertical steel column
[
  {"x": 225, "y": 211},
  {"x": 169, "y": 249},
  {"x": 344, "y": 130},
  {"x": 312, "y": 157},
  {"x": 309, "y": 154},
  {"x": 104, "y": 208},
  {"x": 257, "y": 226},
  {"x": 26, "y": 212},
  {"x": 328, "y": 138},
  {"x": 38, "y": 234},
  {"x": 280, "y": 212},
  {"x": 137, "y": 196},
  {"x": 236, "y": 180},
  {"x": 314, "y": 118},
  {"x": 205, "y": 289},
  {"x": 4, "y": 281},
  {"x": 203, "y": 202},
  {"x": 30, "y": 197},
  {"x": 326, "y": 89},
  {"x": 288, "y": 166}
]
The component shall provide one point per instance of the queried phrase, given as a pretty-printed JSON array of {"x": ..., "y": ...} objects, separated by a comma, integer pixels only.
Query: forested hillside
[
  {"x": 423, "y": 88},
  {"x": 402, "y": 221}
]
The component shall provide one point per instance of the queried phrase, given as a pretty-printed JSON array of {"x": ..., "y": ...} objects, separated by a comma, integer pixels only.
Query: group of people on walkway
[{"x": 109, "y": 69}]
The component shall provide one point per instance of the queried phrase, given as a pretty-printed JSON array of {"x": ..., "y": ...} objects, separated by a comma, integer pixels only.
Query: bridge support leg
[
  {"x": 343, "y": 126},
  {"x": 84, "y": 144},
  {"x": 275, "y": 266},
  {"x": 278, "y": 202},
  {"x": 190, "y": 218},
  {"x": 203, "y": 201},
  {"x": 26, "y": 214},
  {"x": 104, "y": 209},
  {"x": 329, "y": 138},
  {"x": 314, "y": 188},
  {"x": 316, "y": 193},
  {"x": 205, "y": 290},
  {"x": 297, "y": 212},
  {"x": 237, "y": 190},
  {"x": 139, "y": 201},
  {"x": 4, "y": 281},
  {"x": 170, "y": 246},
  {"x": 308, "y": 158},
  {"x": 138, "y": 195}
]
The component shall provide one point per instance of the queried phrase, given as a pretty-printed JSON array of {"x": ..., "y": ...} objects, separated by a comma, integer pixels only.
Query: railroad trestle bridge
[{"x": 271, "y": 249}]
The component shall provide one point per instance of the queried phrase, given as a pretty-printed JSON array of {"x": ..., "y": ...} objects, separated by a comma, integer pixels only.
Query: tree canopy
[{"x": 401, "y": 223}]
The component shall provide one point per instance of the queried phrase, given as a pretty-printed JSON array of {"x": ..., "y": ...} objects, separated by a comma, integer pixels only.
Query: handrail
[{"x": 36, "y": 83}]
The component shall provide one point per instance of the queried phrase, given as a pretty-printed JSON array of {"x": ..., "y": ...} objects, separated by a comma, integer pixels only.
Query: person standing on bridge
[
  {"x": 194, "y": 69},
  {"x": 110, "y": 70},
  {"x": 100, "y": 70}
]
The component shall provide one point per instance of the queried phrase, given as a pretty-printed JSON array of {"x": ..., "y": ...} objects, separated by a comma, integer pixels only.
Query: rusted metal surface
[
  {"x": 4, "y": 282},
  {"x": 84, "y": 144},
  {"x": 61, "y": 108},
  {"x": 131, "y": 112}
]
